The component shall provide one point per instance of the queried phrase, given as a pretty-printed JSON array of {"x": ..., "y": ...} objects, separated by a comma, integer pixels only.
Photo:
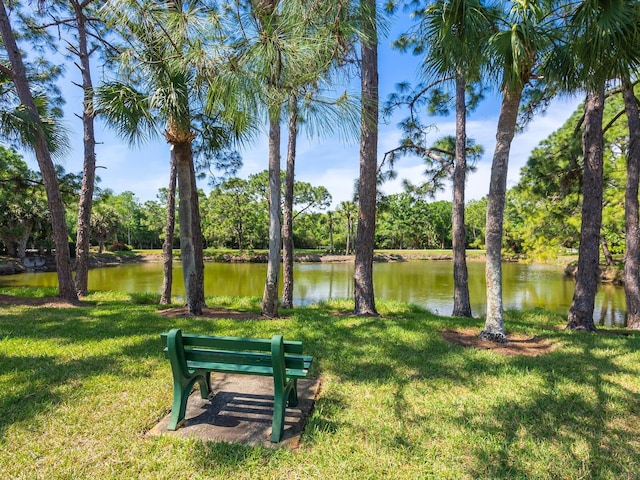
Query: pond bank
[{"x": 46, "y": 263}]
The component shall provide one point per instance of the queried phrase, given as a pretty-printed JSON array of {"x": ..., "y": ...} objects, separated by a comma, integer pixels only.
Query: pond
[{"x": 428, "y": 283}]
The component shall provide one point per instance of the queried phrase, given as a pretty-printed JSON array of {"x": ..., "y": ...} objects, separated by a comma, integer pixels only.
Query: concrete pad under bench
[{"x": 240, "y": 409}]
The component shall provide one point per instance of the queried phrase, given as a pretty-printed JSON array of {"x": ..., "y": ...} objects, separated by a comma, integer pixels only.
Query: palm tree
[
  {"x": 349, "y": 211},
  {"x": 164, "y": 67},
  {"x": 38, "y": 137},
  {"x": 279, "y": 47},
  {"x": 515, "y": 50}
]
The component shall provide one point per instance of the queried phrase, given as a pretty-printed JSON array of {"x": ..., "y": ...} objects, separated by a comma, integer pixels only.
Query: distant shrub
[{"x": 118, "y": 247}]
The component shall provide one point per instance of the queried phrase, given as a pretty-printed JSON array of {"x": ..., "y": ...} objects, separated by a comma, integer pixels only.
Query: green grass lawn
[{"x": 79, "y": 387}]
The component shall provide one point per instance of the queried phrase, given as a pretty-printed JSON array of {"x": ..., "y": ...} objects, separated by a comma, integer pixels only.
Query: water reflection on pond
[{"x": 427, "y": 283}]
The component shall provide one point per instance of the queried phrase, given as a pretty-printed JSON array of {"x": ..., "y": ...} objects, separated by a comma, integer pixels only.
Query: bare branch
[{"x": 7, "y": 71}]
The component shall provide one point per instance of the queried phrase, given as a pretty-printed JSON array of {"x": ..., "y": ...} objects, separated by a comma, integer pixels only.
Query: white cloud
[{"x": 483, "y": 132}]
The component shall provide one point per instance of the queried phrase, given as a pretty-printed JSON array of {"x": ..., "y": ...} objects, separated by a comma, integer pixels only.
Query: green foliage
[
  {"x": 310, "y": 230},
  {"x": 542, "y": 216},
  {"x": 24, "y": 211},
  {"x": 475, "y": 222},
  {"x": 164, "y": 84},
  {"x": 406, "y": 222},
  {"x": 235, "y": 215}
]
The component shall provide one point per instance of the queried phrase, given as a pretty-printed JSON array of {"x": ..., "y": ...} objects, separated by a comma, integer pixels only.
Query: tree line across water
[
  {"x": 234, "y": 215},
  {"x": 206, "y": 74}
]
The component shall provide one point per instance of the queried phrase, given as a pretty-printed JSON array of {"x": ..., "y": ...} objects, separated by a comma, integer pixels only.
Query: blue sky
[{"x": 330, "y": 162}]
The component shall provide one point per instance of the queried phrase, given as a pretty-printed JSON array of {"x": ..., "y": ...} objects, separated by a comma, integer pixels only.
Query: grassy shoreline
[{"x": 80, "y": 386}]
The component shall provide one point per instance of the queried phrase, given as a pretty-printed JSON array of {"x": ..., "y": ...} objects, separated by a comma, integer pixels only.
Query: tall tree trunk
[
  {"x": 89, "y": 165},
  {"x": 330, "y": 222},
  {"x": 43, "y": 156},
  {"x": 365, "y": 235},
  {"x": 461, "y": 301},
  {"x": 287, "y": 223},
  {"x": 270, "y": 295},
  {"x": 581, "y": 312},
  {"x": 169, "y": 231},
  {"x": 631, "y": 208},
  {"x": 190, "y": 232},
  {"x": 348, "y": 244},
  {"x": 494, "y": 324}
]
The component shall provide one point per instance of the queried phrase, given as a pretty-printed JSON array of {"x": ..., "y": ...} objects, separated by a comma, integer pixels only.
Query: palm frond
[{"x": 128, "y": 111}]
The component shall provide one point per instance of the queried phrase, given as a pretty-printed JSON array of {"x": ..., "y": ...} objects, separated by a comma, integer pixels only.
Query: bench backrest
[
  {"x": 252, "y": 352},
  {"x": 234, "y": 343}
]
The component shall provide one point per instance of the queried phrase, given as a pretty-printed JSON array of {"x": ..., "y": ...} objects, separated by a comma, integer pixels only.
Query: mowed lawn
[{"x": 79, "y": 387}]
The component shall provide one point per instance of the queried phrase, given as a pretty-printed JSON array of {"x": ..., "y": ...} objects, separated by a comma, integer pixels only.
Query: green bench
[{"x": 194, "y": 357}]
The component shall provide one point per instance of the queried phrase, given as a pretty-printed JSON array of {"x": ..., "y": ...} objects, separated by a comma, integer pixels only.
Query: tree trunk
[
  {"x": 287, "y": 223},
  {"x": 10, "y": 245},
  {"x": 169, "y": 231},
  {"x": 270, "y": 295},
  {"x": 581, "y": 312},
  {"x": 494, "y": 323},
  {"x": 461, "y": 301},
  {"x": 631, "y": 208},
  {"x": 347, "y": 251},
  {"x": 365, "y": 235},
  {"x": 43, "y": 156},
  {"x": 23, "y": 239},
  {"x": 89, "y": 165},
  {"x": 331, "y": 248},
  {"x": 608, "y": 258},
  {"x": 190, "y": 233}
]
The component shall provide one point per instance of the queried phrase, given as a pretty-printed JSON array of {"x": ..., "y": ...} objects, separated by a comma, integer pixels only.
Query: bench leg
[
  {"x": 282, "y": 396},
  {"x": 179, "y": 407},
  {"x": 277, "y": 424},
  {"x": 205, "y": 385},
  {"x": 181, "y": 392}
]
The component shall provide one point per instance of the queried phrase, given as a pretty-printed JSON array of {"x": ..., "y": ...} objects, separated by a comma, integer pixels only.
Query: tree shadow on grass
[
  {"x": 579, "y": 414},
  {"x": 47, "y": 354},
  {"x": 38, "y": 382},
  {"x": 582, "y": 411}
]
